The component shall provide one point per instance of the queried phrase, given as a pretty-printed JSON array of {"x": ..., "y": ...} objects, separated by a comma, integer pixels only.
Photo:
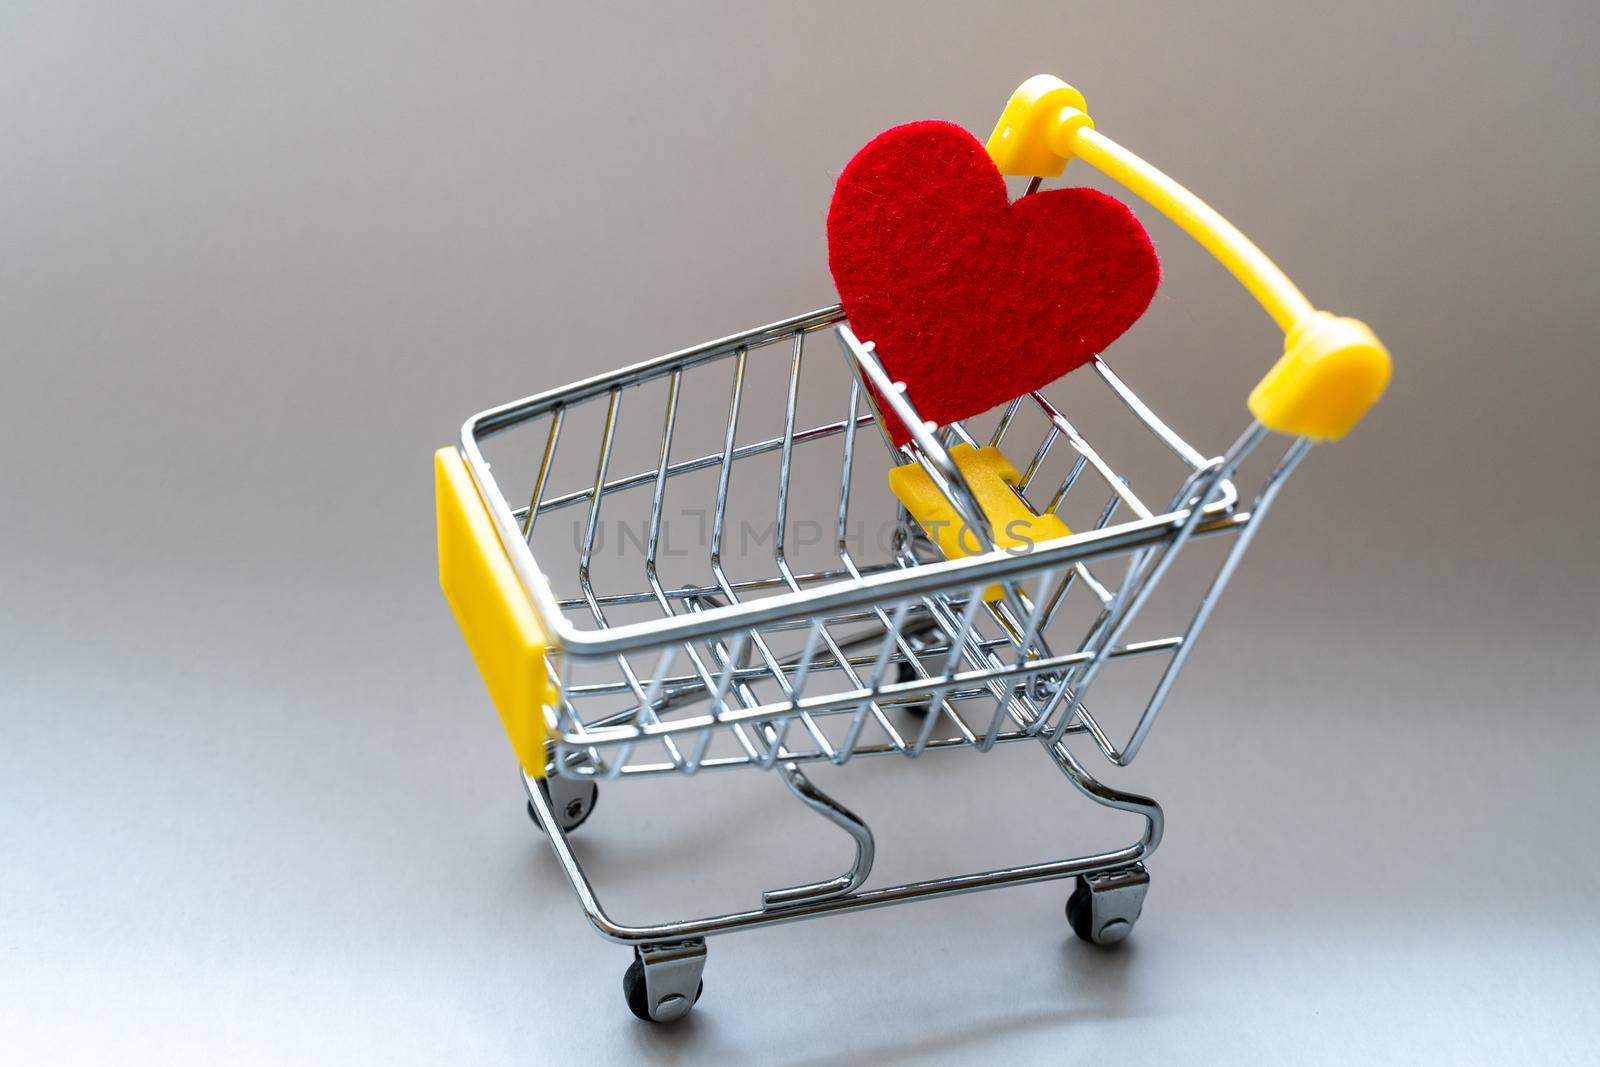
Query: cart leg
[
  {"x": 663, "y": 982},
  {"x": 1105, "y": 905},
  {"x": 840, "y": 816}
]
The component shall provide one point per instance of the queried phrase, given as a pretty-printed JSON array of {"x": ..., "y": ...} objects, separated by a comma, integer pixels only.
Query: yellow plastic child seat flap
[
  {"x": 990, "y": 476},
  {"x": 492, "y": 609}
]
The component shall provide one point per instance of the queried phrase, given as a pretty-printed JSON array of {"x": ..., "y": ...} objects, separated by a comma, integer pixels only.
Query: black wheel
[
  {"x": 579, "y": 806},
  {"x": 1080, "y": 911},
  {"x": 904, "y": 672},
  {"x": 634, "y": 992}
]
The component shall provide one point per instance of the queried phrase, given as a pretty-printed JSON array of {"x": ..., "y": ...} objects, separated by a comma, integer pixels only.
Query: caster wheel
[
  {"x": 573, "y": 801},
  {"x": 1104, "y": 906},
  {"x": 904, "y": 672},
  {"x": 633, "y": 989},
  {"x": 1080, "y": 911}
]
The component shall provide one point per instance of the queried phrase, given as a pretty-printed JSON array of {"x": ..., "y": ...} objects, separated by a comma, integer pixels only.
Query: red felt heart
[{"x": 972, "y": 300}]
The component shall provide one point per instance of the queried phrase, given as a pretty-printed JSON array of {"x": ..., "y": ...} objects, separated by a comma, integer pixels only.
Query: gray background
[{"x": 258, "y": 260}]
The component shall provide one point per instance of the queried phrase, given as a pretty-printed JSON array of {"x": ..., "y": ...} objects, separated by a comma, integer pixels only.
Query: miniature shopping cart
[{"x": 615, "y": 646}]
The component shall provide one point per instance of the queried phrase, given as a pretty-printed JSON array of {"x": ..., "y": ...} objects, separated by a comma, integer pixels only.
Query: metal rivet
[{"x": 672, "y": 1007}]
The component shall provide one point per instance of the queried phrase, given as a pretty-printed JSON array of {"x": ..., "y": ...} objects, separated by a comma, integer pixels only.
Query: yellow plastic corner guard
[
  {"x": 1333, "y": 369},
  {"x": 991, "y": 476},
  {"x": 498, "y": 621},
  {"x": 1023, "y": 140}
]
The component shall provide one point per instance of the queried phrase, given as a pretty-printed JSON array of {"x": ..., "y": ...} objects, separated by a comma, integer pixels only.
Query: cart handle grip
[{"x": 1332, "y": 370}]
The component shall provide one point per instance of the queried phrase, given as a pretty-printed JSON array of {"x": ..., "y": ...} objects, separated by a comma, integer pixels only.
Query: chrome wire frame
[{"x": 705, "y": 685}]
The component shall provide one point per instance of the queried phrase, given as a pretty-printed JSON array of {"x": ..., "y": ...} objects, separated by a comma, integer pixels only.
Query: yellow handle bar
[{"x": 1332, "y": 370}]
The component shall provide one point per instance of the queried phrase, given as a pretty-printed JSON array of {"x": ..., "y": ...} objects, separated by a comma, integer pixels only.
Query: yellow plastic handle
[
  {"x": 492, "y": 609},
  {"x": 1332, "y": 370}
]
